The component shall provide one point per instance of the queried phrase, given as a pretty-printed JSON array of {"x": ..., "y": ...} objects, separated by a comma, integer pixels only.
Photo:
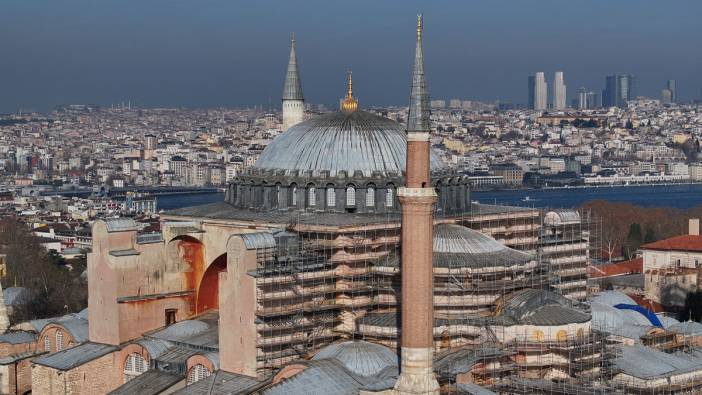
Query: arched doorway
[{"x": 208, "y": 291}]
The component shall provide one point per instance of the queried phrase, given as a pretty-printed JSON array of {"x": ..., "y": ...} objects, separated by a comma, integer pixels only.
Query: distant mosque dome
[{"x": 360, "y": 357}]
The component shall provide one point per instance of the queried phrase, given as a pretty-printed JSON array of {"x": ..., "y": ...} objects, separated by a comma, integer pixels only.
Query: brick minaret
[{"x": 417, "y": 199}]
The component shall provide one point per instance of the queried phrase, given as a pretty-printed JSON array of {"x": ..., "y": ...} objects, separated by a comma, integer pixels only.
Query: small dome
[
  {"x": 360, "y": 357},
  {"x": 341, "y": 141},
  {"x": 456, "y": 245}
]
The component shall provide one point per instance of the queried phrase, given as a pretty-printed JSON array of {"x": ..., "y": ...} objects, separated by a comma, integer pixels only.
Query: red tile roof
[
  {"x": 617, "y": 269},
  {"x": 677, "y": 243},
  {"x": 647, "y": 303}
]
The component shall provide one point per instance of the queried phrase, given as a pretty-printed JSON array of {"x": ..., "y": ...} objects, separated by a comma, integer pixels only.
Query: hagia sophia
[{"x": 348, "y": 260}]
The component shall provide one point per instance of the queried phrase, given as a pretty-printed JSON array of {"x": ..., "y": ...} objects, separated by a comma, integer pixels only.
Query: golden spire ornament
[{"x": 349, "y": 104}]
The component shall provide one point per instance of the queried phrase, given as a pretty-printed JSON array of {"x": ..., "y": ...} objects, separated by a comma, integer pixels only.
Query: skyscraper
[
  {"x": 582, "y": 99},
  {"x": 666, "y": 96},
  {"x": 538, "y": 91},
  {"x": 671, "y": 86},
  {"x": 619, "y": 89},
  {"x": 559, "y": 91}
]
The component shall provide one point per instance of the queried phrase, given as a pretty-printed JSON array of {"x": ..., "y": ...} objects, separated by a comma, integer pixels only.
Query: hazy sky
[{"x": 203, "y": 53}]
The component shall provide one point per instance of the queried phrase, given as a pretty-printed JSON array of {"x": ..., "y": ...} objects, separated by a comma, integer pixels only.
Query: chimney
[{"x": 694, "y": 226}]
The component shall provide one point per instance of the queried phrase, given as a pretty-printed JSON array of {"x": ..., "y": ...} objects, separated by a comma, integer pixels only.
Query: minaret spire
[
  {"x": 418, "y": 118},
  {"x": 417, "y": 198},
  {"x": 293, "y": 100}
]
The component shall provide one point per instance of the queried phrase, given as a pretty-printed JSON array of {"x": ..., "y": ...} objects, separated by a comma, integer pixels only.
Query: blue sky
[{"x": 232, "y": 53}]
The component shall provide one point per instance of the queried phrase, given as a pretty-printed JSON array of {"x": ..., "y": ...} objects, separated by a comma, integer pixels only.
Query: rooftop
[
  {"x": 152, "y": 382},
  {"x": 75, "y": 356},
  {"x": 691, "y": 243}
]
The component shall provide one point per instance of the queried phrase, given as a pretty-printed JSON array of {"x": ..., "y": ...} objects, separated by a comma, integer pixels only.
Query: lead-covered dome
[
  {"x": 458, "y": 246},
  {"x": 360, "y": 357},
  {"x": 338, "y": 142}
]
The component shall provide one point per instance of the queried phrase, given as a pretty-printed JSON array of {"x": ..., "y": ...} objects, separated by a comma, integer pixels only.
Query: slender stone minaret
[
  {"x": 417, "y": 199},
  {"x": 293, "y": 102}
]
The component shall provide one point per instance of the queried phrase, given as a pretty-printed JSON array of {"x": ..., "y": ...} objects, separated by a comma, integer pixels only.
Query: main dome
[{"x": 341, "y": 142}]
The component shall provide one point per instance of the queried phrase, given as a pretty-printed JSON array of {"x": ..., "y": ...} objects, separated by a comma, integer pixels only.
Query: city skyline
[{"x": 184, "y": 55}]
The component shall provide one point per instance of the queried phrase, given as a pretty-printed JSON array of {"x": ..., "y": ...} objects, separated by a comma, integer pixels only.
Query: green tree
[
  {"x": 650, "y": 235},
  {"x": 634, "y": 239},
  {"x": 54, "y": 288}
]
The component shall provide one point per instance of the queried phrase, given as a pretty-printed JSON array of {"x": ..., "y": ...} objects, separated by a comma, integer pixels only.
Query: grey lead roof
[
  {"x": 360, "y": 357},
  {"x": 321, "y": 377},
  {"x": 292, "y": 90},
  {"x": 341, "y": 141},
  {"x": 418, "y": 115},
  {"x": 458, "y": 246},
  {"x": 75, "y": 356},
  {"x": 150, "y": 383},
  {"x": 120, "y": 224},
  {"x": 648, "y": 363},
  {"x": 18, "y": 337},
  {"x": 258, "y": 240},
  {"x": 221, "y": 383}
]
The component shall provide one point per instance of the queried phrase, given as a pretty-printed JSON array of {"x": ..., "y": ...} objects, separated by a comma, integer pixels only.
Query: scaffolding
[{"x": 338, "y": 277}]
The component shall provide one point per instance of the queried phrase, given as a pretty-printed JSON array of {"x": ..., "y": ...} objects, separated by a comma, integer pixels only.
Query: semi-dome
[
  {"x": 360, "y": 357},
  {"x": 338, "y": 142},
  {"x": 456, "y": 245}
]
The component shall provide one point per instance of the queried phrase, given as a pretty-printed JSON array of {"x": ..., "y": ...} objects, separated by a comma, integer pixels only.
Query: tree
[
  {"x": 650, "y": 235},
  {"x": 54, "y": 289},
  {"x": 633, "y": 240}
]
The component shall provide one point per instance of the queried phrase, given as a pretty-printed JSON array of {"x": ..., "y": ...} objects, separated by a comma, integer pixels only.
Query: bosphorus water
[{"x": 680, "y": 196}]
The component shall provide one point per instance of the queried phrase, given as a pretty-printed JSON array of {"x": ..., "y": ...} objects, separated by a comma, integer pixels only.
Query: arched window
[
  {"x": 278, "y": 195},
  {"x": 350, "y": 196},
  {"x": 331, "y": 196},
  {"x": 537, "y": 336},
  {"x": 59, "y": 340},
  {"x": 370, "y": 196},
  {"x": 47, "y": 343},
  {"x": 197, "y": 373},
  {"x": 134, "y": 365},
  {"x": 293, "y": 195},
  {"x": 389, "y": 197},
  {"x": 311, "y": 196}
]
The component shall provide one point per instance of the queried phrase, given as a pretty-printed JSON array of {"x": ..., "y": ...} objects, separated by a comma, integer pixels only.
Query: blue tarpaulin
[{"x": 646, "y": 312}]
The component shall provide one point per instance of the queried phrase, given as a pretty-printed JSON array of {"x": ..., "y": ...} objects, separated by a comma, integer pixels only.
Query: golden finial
[
  {"x": 349, "y": 104},
  {"x": 419, "y": 27}
]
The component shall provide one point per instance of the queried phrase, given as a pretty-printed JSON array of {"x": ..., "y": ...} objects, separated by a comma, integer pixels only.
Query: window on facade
[
  {"x": 370, "y": 196},
  {"x": 350, "y": 195},
  {"x": 59, "y": 340},
  {"x": 171, "y": 316},
  {"x": 331, "y": 196},
  {"x": 311, "y": 197},
  {"x": 134, "y": 365},
  {"x": 197, "y": 373},
  {"x": 389, "y": 197},
  {"x": 294, "y": 195},
  {"x": 47, "y": 343},
  {"x": 277, "y": 195}
]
